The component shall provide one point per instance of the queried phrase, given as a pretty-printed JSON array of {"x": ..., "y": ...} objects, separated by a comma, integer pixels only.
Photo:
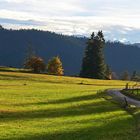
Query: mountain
[
  {"x": 137, "y": 44},
  {"x": 14, "y": 44}
]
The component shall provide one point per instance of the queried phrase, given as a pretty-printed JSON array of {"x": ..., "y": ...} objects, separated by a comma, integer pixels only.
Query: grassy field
[
  {"x": 11, "y": 69},
  {"x": 134, "y": 93},
  {"x": 41, "y": 107}
]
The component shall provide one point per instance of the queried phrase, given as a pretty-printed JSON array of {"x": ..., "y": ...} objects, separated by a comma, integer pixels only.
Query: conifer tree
[
  {"x": 93, "y": 65},
  {"x": 134, "y": 76},
  {"x": 1, "y": 28},
  {"x": 30, "y": 53},
  {"x": 55, "y": 67}
]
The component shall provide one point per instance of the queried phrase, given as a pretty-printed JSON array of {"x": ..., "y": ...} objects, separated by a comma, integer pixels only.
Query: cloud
[
  {"x": 118, "y": 19},
  {"x": 77, "y": 26},
  {"x": 15, "y": 1},
  {"x": 123, "y": 40},
  {"x": 21, "y": 22}
]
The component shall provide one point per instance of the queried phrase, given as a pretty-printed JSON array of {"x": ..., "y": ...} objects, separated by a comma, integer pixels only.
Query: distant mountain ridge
[
  {"x": 137, "y": 44},
  {"x": 14, "y": 43}
]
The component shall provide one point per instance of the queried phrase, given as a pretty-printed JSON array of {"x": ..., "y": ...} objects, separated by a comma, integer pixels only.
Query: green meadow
[
  {"x": 42, "y": 107},
  {"x": 133, "y": 93}
]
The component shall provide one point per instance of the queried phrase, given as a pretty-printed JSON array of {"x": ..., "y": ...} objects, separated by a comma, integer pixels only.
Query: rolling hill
[
  {"x": 43, "y": 107},
  {"x": 14, "y": 43}
]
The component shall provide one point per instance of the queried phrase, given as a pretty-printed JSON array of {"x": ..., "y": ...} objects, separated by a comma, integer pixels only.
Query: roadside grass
[
  {"x": 134, "y": 93},
  {"x": 43, "y": 107}
]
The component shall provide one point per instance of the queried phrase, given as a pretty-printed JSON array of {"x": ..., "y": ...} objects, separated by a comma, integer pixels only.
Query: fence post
[
  {"x": 127, "y": 86},
  {"x": 126, "y": 103}
]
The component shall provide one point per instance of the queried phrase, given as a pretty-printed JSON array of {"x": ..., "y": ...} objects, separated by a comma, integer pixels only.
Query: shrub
[{"x": 54, "y": 66}]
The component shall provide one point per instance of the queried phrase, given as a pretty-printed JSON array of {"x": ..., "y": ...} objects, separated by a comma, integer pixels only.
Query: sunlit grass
[{"x": 42, "y": 107}]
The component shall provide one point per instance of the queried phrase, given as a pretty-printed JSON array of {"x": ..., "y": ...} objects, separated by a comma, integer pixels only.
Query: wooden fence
[{"x": 134, "y": 88}]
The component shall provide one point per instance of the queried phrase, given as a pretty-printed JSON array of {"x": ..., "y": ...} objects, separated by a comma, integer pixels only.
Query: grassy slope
[
  {"x": 134, "y": 93},
  {"x": 41, "y": 107}
]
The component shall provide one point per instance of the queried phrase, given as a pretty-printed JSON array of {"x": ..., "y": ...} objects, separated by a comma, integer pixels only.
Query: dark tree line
[
  {"x": 48, "y": 44},
  {"x": 38, "y": 65}
]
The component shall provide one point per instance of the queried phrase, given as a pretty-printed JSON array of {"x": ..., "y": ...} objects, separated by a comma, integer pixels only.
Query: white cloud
[
  {"x": 123, "y": 40},
  {"x": 15, "y": 1},
  {"x": 116, "y": 17}
]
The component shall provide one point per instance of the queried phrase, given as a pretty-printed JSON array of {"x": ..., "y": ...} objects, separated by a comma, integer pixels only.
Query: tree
[
  {"x": 125, "y": 76},
  {"x": 55, "y": 67},
  {"x": 134, "y": 76},
  {"x": 1, "y": 28},
  {"x": 32, "y": 61},
  {"x": 30, "y": 52},
  {"x": 35, "y": 63},
  {"x": 93, "y": 65}
]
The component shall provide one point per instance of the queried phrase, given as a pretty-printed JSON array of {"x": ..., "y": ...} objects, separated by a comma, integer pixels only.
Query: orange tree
[
  {"x": 35, "y": 63},
  {"x": 55, "y": 67}
]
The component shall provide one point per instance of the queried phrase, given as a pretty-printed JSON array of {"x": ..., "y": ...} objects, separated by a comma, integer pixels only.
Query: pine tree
[
  {"x": 55, "y": 67},
  {"x": 30, "y": 53},
  {"x": 1, "y": 28},
  {"x": 93, "y": 65},
  {"x": 134, "y": 76}
]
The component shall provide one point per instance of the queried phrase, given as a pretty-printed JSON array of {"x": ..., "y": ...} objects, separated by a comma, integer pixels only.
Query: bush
[
  {"x": 54, "y": 66},
  {"x": 35, "y": 63}
]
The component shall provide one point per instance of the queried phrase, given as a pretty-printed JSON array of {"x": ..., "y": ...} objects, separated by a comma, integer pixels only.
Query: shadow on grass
[
  {"x": 11, "y": 77},
  {"x": 77, "y": 110},
  {"x": 62, "y": 101},
  {"x": 135, "y": 112},
  {"x": 99, "y": 84},
  {"x": 112, "y": 130},
  {"x": 33, "y": 79}
]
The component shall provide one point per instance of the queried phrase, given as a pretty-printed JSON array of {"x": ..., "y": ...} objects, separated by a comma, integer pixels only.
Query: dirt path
[{"x": 117, "y": 95}]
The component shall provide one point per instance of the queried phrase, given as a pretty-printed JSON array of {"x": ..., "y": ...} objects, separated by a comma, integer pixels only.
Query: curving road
[{"x": 117, "y": 95}]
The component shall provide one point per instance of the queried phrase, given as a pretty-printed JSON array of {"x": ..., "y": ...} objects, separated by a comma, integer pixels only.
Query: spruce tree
[
  {"x": 93, "y": 65},
  {"x": 1, "y": 28},
  {"x": 30, "y": 53}
]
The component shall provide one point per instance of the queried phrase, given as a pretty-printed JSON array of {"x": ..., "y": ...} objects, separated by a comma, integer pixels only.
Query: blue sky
[{"x": 119, "y": 19}]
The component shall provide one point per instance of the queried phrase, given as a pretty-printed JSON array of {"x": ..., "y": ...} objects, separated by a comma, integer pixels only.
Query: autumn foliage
[
  {"x": 35, "y": 63},
  {"x": 54, "y": 66}
]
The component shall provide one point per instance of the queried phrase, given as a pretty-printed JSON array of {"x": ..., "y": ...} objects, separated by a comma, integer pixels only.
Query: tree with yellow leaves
[{"x": 55, "y": 67}]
